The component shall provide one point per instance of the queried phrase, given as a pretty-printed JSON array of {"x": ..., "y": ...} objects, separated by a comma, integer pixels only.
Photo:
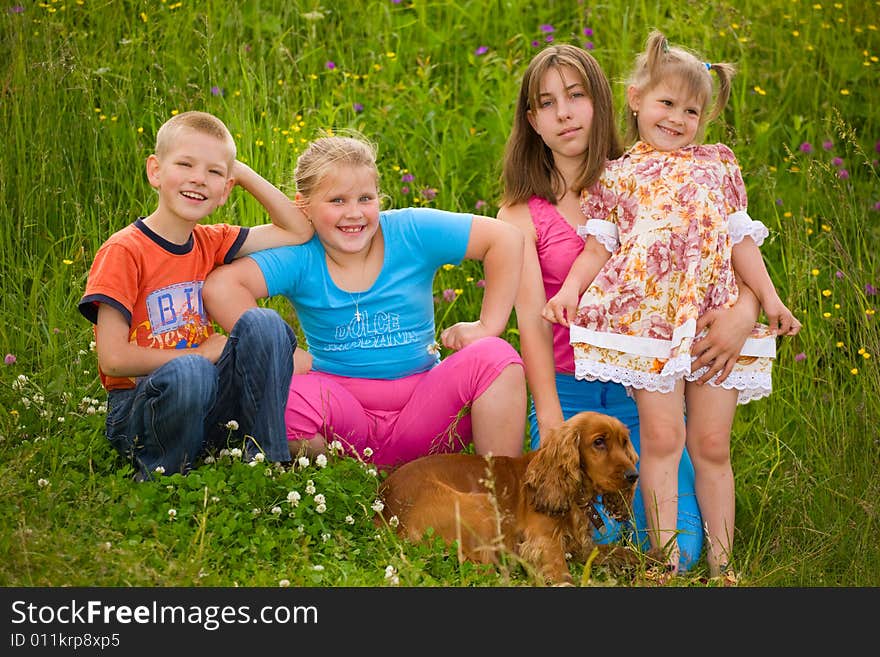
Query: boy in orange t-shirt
[{"x": 174, "y": 385}]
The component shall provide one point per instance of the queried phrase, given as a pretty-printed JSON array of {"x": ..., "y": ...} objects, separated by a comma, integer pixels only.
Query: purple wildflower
[
  {"x": 801, "y": 356},
  {"x": 482, "y": 50},
  {"x": 429, "y": 193},
  {"x": 535, "y": 43},
  {"x": 806, "y": 147},
  {"x": 547, "y": 28},
  {"x": 779, "y": 201},
  {"x": 216, "y": 91},
  {"x": 588, "y": 31},
  {"x": 877, "y": 206},
  {"x": 407, "y": 177},
  {"x": 358, "y": 108},
  {"x": 10, "y": 359},
  {"x": 839, "y": 274},
  {"x": 480, "y": 283},
  {"x": 404, "y": 190},
  {"x": 479, "y": 205},
  {"x": 837, "y": 161},
  {"x": 877, "y": 147},
  {"x": 870, "y": 290},
  {"x": 449, "y": 295},
  {"x": 549, "y": 38},
  {"x": 330, "y": 65},
  {"x": 588, "y": 45},
  {"x": 843, "y": 174},
  {"x": 17, "y": 9},
  {"x": 827, "y": 144}
]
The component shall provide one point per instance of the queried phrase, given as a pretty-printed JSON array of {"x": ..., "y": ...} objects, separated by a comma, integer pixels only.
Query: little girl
[{"x": 667, "y": 225}]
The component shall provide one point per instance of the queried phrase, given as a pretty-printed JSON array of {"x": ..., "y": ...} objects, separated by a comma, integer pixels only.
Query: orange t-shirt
[{"x": 157, "y": 285}]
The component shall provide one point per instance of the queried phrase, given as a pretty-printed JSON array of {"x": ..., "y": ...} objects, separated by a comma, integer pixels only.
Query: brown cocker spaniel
[{"x": 538, "y": 506}]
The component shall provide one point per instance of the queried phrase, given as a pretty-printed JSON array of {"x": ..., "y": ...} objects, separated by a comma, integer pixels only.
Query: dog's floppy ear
[{"x": 553, "y": 476}]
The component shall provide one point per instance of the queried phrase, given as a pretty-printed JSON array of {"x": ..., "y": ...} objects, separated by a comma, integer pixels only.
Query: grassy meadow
[{"x": 84, "y": 84}]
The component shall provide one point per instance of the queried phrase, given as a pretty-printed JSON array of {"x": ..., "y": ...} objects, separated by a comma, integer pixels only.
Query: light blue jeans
[
  {"x": 611, "y": 398},
  {"x": 179, "y": 410}
]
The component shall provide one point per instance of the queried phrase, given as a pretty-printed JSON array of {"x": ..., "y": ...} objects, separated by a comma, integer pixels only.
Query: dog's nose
[{"x": 631, "y": 476}]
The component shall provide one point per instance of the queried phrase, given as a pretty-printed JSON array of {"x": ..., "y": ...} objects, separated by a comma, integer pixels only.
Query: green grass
[{"x": 83, "y": 88}]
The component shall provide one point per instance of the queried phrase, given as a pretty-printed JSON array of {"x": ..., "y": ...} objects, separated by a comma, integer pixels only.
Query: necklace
[{"x": 357, "y": 307}]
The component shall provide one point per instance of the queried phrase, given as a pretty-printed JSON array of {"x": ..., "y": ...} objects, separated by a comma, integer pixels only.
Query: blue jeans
[
  {"x": 611, "y": 398},
  {"x": 179, "y": 410}
]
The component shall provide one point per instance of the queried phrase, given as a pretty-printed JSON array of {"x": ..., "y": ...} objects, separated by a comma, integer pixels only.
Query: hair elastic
[{"x": 708, "y": 66}]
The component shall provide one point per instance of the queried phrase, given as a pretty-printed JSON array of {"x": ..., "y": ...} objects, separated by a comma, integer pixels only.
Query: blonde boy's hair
[{"x": 203, "y": 122}]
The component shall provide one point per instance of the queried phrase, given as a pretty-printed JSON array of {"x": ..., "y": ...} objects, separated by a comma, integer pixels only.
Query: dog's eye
[{"x": 599, "y": 442}]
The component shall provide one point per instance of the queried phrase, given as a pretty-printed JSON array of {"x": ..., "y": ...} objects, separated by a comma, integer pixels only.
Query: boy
[{"x": 174, "y": 385}]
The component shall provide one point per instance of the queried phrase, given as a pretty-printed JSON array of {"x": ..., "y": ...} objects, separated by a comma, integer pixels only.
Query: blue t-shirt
[{"x": 393, "y": 336}]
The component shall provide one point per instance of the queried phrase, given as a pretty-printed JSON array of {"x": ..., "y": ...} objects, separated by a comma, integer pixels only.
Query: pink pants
[{"x": 400, "y": 419}]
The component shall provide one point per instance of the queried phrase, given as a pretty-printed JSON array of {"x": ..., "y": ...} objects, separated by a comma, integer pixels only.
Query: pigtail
[{"x": 725, "y": 73}]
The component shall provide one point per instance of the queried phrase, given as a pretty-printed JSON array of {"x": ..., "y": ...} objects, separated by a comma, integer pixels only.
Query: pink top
[{"x": 558, "y": 244}]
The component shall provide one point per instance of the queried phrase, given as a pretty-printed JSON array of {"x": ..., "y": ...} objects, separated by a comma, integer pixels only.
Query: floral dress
[{"x": 670, "y": 220}]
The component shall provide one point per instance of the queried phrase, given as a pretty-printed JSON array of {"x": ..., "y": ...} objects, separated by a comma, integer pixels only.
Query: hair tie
[
  {"x": 665, "y": 46},
  {"x": 708, "y": 66}
]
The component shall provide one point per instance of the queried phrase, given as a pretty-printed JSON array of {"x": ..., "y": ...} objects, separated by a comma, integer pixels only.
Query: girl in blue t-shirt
[{"x": 362, "y": 290}]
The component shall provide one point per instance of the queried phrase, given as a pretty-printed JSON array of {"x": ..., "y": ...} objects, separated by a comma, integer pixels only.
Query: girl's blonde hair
[
  {"x": 324, "y": 154},
  {"x": 528, "y": 168},
  {"x": 660, "y": 61}
]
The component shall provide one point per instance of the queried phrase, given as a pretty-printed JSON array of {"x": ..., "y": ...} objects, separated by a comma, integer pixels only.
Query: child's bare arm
[
  {"x": 748, "y": 263},
  {"x": 562, "y": 306},
  {"x": 289, "y": 224},
  {"x": 119, "y": 357}
]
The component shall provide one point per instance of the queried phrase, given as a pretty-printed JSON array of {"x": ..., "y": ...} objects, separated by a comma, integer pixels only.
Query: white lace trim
[
  {"x": 750, "y": 385},
  {"x": 604, "y": 231},
  {"x": 741, "y": 225}
]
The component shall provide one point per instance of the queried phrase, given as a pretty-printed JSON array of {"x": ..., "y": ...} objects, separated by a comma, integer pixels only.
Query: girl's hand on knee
[{"x": 460, "y": 335}]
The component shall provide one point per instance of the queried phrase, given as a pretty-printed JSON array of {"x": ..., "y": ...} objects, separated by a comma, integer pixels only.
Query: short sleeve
[
  {"x": 604, "y": 231},
  {"x": 740, "y": 224}
]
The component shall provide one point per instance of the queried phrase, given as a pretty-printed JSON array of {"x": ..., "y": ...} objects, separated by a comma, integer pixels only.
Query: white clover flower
[
  {"x": 224, "y": 452},
  {"x": 321, "y": 461},
  {"x": 320, "y": 499},
  {"x": 349, "y": 520},
  {"x": 252, "y": 464},
  {"x": 284, "y": 583},
  {"x": 209, "y": 459},
  {"x": 235, "y": 453},
  {"x": 372, "y": 472},
  {"x": 42, "y": 483},
  {"x": 215, "y": 499},
  {"x": 325, "y": 536},
  {"x": 317, "y": 566},
  {"x": 92, "y": 345},
  {"x": 91, "y": 410},
  {"x": 433, "y": 348},
  {"x": 368, "y": 452},
  {"x": 310, "y": 487},
  {"x": 321, "y": 508},
  {"x": 335, "y": 447},
  {"x": 389, "y": 572},
  {"x": 106, "y": 545},
  {"x": 159, "y": 469},
  {"x": 232, "y": 425},
  {"x": 303, "y": 461},
  {"x": 395, "y": 581},
  {"x": 377, "y": 506},
  {"x": 60, "y": 419},
  {"x": 26, "y": 402},
  {"x": 255, "y": 511},
  {"x": 293, "y": 497},
  {"x": 259, "y": 457},
  {"x": 172, "y": 514},
  {"x": 394, "y": 521},
  {"x": 276, "y": 510}
]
